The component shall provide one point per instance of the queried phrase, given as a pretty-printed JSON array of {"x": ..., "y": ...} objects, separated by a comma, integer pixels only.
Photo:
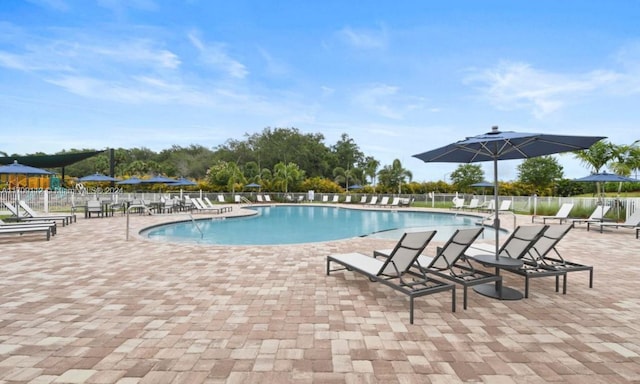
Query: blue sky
[{"x": 399, "y": 77}]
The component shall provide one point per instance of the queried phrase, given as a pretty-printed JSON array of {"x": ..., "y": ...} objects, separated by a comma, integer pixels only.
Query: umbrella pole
[{"x": 496, "y": 222}]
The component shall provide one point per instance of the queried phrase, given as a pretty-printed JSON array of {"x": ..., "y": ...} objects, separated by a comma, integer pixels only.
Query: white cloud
[
  {"x": 387, "y": 101},
  {"x": 215, "y": 55},
  {"x": 364, "y": 39},
  {"x": 513, "y": 85}
]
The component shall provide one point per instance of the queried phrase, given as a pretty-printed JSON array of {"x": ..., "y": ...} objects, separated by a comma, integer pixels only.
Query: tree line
[{"x": 286, "y": 160}]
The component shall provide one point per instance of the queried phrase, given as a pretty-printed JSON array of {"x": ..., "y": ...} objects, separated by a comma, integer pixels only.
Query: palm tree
[
  {"x": 394, "y": 175},
  {"x": 285, "y": 175},
  {"x": 371, "y": 169},
  {"x": 597, "y": 156}
]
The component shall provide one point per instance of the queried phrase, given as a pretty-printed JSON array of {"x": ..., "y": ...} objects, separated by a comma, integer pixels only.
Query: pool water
[{"x": 292, "y": 224}]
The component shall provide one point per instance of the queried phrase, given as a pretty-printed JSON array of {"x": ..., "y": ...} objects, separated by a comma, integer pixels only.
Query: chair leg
[
  {"x": 591, "y": 278},
  {"x": 526, "y": 287},
  {"x": 564, "y": 284},
  {"x": 411, "y": 310},
  {"x": 464, "y": 298},
  {"x": 453, "y": 299}
]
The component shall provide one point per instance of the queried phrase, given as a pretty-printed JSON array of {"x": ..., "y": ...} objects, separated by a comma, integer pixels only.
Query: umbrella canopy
[
  {"x": 130, "y": 181},
  {"x": 159, "y": 180},
  {"x": 252, "y": 185},
  {"x": 183, "y": 182},
  {"x": 604, "y": 177},
  {"x": 497, "y": 145},
  {"x": 355, "y": 186},
  {"x": 483, "y": 184},
  {"x": 98, "y": 178},
  {"x": 20, "y": 169}
]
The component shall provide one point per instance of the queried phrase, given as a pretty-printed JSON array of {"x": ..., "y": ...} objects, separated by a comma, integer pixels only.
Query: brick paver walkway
[{"x": 90, "y": 307}]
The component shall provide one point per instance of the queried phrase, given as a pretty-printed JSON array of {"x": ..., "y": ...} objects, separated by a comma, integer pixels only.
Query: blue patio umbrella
[
  {"x": 604, "y": 177},
  {"x": 130, "y": 181},
  {"x": 483, "y": 184},
  {"x": 98, "y": 178},
  {"x": 355, "y": 186},
  {"x": 183, "y": 182},
  {"x": 252, "y": 185},
  {"x": 20, "y": 169},
  {"x": 158, "y": 180},
  {"x": 496, "y": 145}
]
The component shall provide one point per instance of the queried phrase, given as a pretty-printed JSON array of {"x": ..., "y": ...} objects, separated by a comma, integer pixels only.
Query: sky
[{"x": 399, "y": 77}]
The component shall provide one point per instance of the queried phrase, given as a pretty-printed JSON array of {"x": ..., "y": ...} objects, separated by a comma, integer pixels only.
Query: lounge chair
[
  {"x": 336, "y": 199},
  {"x": 596, "y": 216},
  {"x": 518, "y": 246},
  {"x": 458, "y": 203},
  {"x": 405, "y": 202},
  {"x": 561, "y": 215},
  {"x": 259, "y": 199},
  {"x": 221, "y": 199},
  {"x": 21, "y": 229},
  {"x": 394, "y": 271},
  {"x": 488, "y": 205},
  {"x": 505, "y": 206},
  {"x": 473, "y": 204},
  {"x": 267, "y": 198},
  {"x": 43, "y": 223},
  {"x": 631, "y": 222},
  {"x": 363, "y": 199},
  {"x": 451, "y": 264},
  {"x": 541, "y": 255},
  {"x": 384, "y": 201},
  {"x": 373, "y": 201},
  {"x": 35, "y": 216},
  {"x": 325, "y": 198},
  {"x": 395, "y": 202},
  {"x": 347, "y": 199}
]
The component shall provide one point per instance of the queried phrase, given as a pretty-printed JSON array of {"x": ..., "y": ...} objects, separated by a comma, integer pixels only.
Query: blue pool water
[{"x": 291, "y": 224}]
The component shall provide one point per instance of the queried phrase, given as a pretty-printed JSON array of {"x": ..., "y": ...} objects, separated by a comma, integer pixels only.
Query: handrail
[
  {"x": 245, "y": 200},
  {"x": 197, "y": 226},
  {"x": 135, "y": 206}
]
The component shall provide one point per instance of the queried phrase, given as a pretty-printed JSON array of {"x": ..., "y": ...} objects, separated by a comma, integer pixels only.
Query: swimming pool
[{"x": 292, "y": 224}]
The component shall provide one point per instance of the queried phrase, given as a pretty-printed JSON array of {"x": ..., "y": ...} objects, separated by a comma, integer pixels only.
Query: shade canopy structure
[
  {"x": 97, "y": 178},
  {"x": 130, "y": 181},
  {"x": 16, "y": 168},
  {"x": 604, "y": 177},
  {"x": 496, "y": 145},
  {"x": 183, "y": 182}
]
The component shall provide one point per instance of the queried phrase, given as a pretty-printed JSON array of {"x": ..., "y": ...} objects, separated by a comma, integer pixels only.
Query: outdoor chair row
[
  {"x": 405, "y": 269},
  {"x": 26, "y": 220}
]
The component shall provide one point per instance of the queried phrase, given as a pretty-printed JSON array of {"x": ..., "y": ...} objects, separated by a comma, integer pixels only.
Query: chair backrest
[
  {"x": 363, "y": 199},
  {"x": 457, "y": 202},
  {"x": 374, "y": 200},
  {"x": 634, "y": 219},
  {"x": 259, "y": 198},
  {"x": 405, "y": 253},
  {"x": 505, "y": 205},
  {"x": 396, "y": 201},
  {"x": 198, "y": 203},
  {"x": 474, "y": 203},
  {"x": 209, "y": 203},
  {"x": 335, "y": 199},
  {"x": 347, "y": 199},
  {"x": 565, "y": 210},
  {"x": 221, "y": 199},
  {"x": 11, "y": 208},
  {"x": 490, "y": 205},
  {"x": 384, "y": 200},
  {"x": 325, "y": 199},
  {"x": 549, "y": 239},
  {"x": 454, "y": 248},
  {"x": 521, "y": 240},
  {"x": 267, "y": 198},
  {"x": 27, "y": 208},
  {"x": 599, "y": 212},
  {"x": 236, "y": 198}
]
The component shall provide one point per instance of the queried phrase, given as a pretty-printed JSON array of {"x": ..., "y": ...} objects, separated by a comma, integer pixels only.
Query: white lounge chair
[
  {"x": 267, "y": 198},
  {"x": 394, "y": 271},
  {"x": 363, "y": 199},
  {"x": 561, "y": 215},
  {"x": 384, "y": 201},
  {"x": 259, "y": 199},
  {"x": 596, "y": 216},
  {"x": 458, "y": 203},
  {"x": 473, "y": 204},
  {"x": 336, "y": 199},
  {"x": 631, "y": 222},
  {"x": 347, "y": 199},
  {"x": 373, "y": 201},
  {"x": 33, "y": 215},
  {"x": 325, "y": 198}
]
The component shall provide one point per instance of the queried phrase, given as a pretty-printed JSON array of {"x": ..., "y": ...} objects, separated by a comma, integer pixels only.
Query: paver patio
[{"x": 91, "y": 307}]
